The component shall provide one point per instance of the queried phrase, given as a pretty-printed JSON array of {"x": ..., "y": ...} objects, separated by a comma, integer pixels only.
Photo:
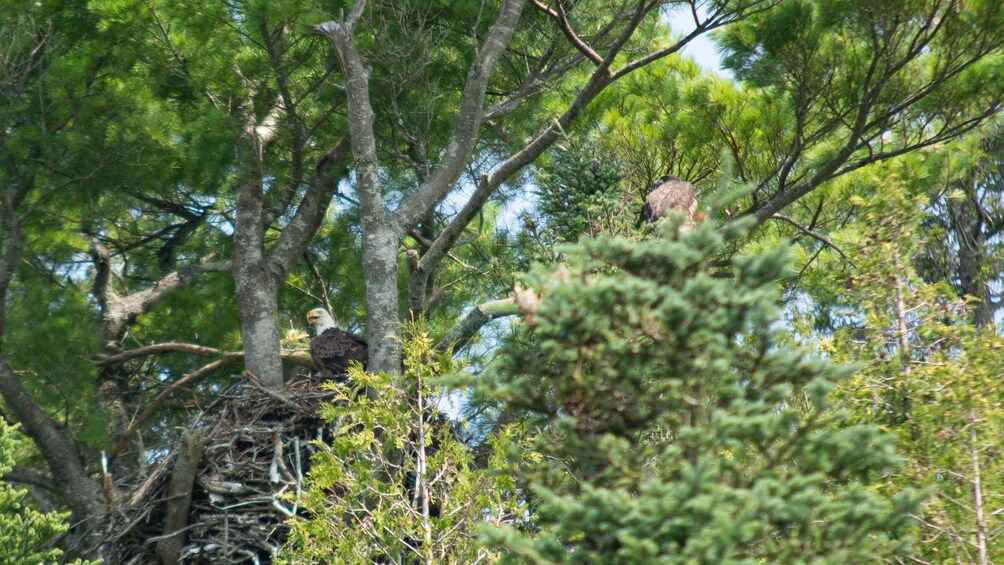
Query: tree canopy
[{"x": 461, "y": 183}]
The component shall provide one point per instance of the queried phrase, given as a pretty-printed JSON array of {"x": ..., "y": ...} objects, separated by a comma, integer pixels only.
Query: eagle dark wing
[
  {"x": 334, "y": 350},
  {"x": 671, "y": 194}
]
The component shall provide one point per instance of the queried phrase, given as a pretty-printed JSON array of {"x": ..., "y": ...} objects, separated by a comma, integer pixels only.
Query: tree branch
[
  {"x": 558, "y": 15},
  {"x": 288, "y": 106},
  {"x": 31, "y": 476},
  {"x": 360, "y": 116},
  {"x": 380, "y": 239},
  {"x": 811, "y": 234},
  {"x": 186, "y": 467},
  {"x": 598, "y": 80},
  {"x": 295, "y": 237},
  {"x": 158, "y": 349},
  {"x": 468, "y": 327},
  {"x": 356, "y": 13},
  {"x": 834, "y": 168},
  {"x": 75, "y": 485},
  {"x": 468, "y": 125},
  {"x": 230, "y": 358},
  {"x": 710, "y": 24},
  {"x": 121, "y": 311}
]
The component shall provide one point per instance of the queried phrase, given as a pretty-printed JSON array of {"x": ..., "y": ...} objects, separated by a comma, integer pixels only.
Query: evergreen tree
[
  {"x": 26, "y": 535},
  {"x": 675, "y": 429},
  {"x": 928, "y": 374},
  {"x": 395, "y": 480},
  {"x": 580, "y": 194}
]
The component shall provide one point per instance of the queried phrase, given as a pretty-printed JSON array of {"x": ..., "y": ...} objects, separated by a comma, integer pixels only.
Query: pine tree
[{"x": 674, "y": 428}]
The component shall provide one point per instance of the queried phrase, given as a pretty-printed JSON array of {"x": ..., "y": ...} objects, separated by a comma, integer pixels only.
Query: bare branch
[
  {"x": 710, "y": 24},
  {"x": 186, "y": 467},
  {"x": 356, "y": 13},
  {"x": 468, "y": 125},
  {"x": 558, "y": 15},
  {"x": 296, "y": 235},
  {"x": 267, "y": 132},
  {"x": 360, "y": 118},
  {"x": 121, "y": 311},
  {"x": 159, "y": 349},
  {"x": 823, "y": 239},
  {"x": 598, "y": 80},
  {"x": 319, "y": 280},
  {"x": 478, "y": 316},
  {"x": 101, "y": 257}
]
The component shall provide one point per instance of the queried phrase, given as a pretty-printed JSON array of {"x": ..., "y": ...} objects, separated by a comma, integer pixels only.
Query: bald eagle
[
  {"x": 670, "y": 193},
  {"x": 332, "y": 350}
]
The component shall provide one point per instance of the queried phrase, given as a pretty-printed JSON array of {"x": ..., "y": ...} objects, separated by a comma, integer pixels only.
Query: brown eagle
[
  {"x": 670, "y": 193},
  {"x": 333, "y": 349}
]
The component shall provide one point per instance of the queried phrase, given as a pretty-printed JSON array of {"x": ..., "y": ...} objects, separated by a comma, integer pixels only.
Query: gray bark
[
  {"x": 380, "y": 271},
  {"x": 383, "y": 232},
  {"x": 186, "y": 467},
  {"x": 255, "y": 285},
  {"x": 380, "y": 240},
  {"x": 981, "y": 524},
  {"x": 468, "y": 327},
  {"x": 257, "y": 301},
  {"x": 259, "y": 273}
]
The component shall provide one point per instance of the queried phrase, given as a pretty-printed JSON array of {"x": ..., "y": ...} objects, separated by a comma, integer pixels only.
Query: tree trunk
[
  {"x": 254, "y": 282},
  {"x": 186, "y": 468},
  {"x": 965, "y": 218},
  {"x": 259, "y": 310},
  {"x": 380, "y": 272}
]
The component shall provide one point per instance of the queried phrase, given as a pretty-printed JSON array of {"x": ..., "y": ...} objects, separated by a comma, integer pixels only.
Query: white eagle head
[{"x": 320, "y": 319}]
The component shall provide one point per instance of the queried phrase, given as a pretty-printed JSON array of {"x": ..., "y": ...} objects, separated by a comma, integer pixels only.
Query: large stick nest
[{"x": 256, "y": 449}]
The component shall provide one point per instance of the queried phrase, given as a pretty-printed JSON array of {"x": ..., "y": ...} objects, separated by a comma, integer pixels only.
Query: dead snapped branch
[
  {"x": 468, "y": 326},
  {"x": 228, "y": 359},
  {"x": 159, "y": 349}
]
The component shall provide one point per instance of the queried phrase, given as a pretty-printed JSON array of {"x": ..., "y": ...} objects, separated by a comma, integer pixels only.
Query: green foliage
[
  {"x": 926, "y": 374},
  {"x": 676, "y": 430},
  {"x": 395, "y": 479},
  {"x": 26, "y": 535},
  {"x": 669, "y": 118},
  {"x": 580, "y": 194},
  {"x": 656, "y": 381}
]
